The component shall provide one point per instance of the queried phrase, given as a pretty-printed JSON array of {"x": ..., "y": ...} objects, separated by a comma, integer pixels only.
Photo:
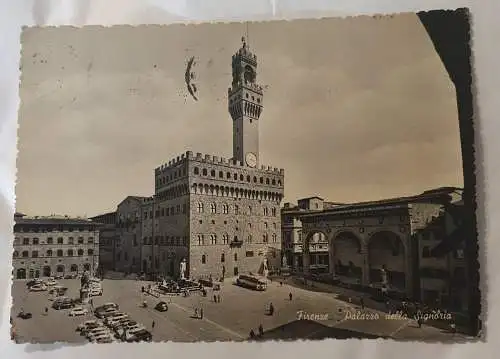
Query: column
[{"x": 365, "y": 278}]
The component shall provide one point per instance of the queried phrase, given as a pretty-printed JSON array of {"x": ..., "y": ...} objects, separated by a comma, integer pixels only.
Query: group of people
[
  {"x": 198, "y": 313},
  {"x": 261, "y": 332}
]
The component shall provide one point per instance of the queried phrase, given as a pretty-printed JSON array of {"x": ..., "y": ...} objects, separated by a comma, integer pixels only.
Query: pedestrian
[
  {"x": 419, "y": 322},
  {"x": 196, "y": 313},
  {"x": 362, "y": 302},
  {"x": 290, "y": 296},
  {"x": 142, "y": 289},
  {"x": 261, "y": 330},
  {"x": 453, "y": 328},
  {"x": 153, "y": 325},
  {"x": 201, "y": 313},
  {"x": 271, "y": 309},
  {"x": 46, "y": 311},
  {"x": 252, "y": 334},
  {"x": 281, "y": 283},
  {"x": 215, "y": 298},
  {"x": 387, "y": 305},
  {"x": 218, "y": 298}
]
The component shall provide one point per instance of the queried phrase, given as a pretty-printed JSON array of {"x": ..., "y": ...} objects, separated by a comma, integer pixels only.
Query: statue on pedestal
[
  {"x": 84, "y": 288},
  {"x": 284, "y": 263},
  {"x": 182, "y": 269}
]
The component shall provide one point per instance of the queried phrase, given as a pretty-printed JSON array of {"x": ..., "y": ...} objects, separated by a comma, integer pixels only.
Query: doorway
[{"x": 235, "y": 270}]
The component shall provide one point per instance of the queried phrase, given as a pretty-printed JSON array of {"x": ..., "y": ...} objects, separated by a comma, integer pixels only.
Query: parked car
[
  {"x": 38, "y": 288},
  {"x": 63, "y": 303},
  {"x": 59, "y": 276},
  {"x": 77, "y": 311},
  {"x": 33, "y": 282},
  {"x": 105, "y": 312},
  {"x": 140, "y": 336},
  {"x": 90, "y": 326},
  {"x": 87, "y": 324},
  {"x": 161, "y": 307},
  {"x": 24, "y": 315},
  {"x": 94, "y": 292}
]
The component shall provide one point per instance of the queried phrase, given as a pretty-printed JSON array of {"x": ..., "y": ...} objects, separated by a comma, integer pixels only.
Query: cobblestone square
[{"x": 239, "y": 311}]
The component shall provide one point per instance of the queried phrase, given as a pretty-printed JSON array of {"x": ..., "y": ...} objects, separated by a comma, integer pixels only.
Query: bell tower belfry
[{"x": 245, "y": 106}]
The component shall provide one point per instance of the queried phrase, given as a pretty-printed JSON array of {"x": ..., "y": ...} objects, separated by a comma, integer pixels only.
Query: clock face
[{"x": 251, "y": 159}]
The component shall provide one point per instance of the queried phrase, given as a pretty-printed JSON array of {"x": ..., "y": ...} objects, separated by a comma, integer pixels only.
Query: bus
[{"x": 250, "y": 282}]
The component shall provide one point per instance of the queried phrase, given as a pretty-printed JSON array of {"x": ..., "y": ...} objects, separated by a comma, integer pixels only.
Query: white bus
[{"x": 251, "y": 282}]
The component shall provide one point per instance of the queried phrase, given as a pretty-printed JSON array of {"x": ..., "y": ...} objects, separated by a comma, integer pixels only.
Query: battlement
[
  {"x": 246, "y": 55},
  {"x": 213, "y": 160}
]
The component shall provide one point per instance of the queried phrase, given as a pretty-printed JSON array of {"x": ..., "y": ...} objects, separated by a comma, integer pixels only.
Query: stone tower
[{"x": 245, "y": 106}]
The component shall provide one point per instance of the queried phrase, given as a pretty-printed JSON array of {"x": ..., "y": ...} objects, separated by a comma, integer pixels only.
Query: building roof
[
  {"x": 40, "y": 220},
  {"x": 442, "y": 193},
  {"x": 102, "y": 215},
  {"x": 307, "y": 198}
]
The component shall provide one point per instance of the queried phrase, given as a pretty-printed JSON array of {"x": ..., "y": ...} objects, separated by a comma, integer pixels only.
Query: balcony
[{"x": 236, "y": 243}]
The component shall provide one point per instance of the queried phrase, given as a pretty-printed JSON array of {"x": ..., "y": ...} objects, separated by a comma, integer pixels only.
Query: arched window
[
  {"x": 249, "y": 210},
  {"x": 236, "y": 209},
  {"x": 200, "y": 240},
  {"x": 60, "y": 268},
  {"x": 203, "y": 259},
  {"x": 241, "y": 177},
  {"x": 213, "y": 239},
  {"x": 60, "y": 240},
  {"x": 255, "y": 179},
  {"x": 213, "y": 208},
  {"x": 221, "y": 174},
  {"x": 266, "y": 211},
  {"x": 222, "y": 258},
  {"x": 274, "y": 182},
  {"x": 80, "y": 252},
  {"x": 261, "y": 180},
  {"x": 249, "y": 239},
  {"x": 248, "y": 178},
  {"x": 74, "y": 268},
  {"x": 86, "y": 267},
  {"x": 265, "y": 238},
  {"x": 212, "y": 173},
  {"x": 267, "y": 180},
  {"x": 225, "y": 238},
  {"x": 225, "y": 208},
  {"x": 275, "y": 238},
  {"x": 228, "y": 175},
  {"x": 60, "y": 253},
  {"x": 70, "y": 253},
  {"x": 196, "y": 171},
  {"x": 273, "y": 210},
  {"x": 236, "y": 257},
  {"x": 90, "y": 252},
  {"x": 200, "y": 207}
]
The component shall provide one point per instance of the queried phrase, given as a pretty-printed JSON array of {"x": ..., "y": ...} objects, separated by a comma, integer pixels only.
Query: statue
[
  {"x": 284, "y": 262},
  {"x": 182, "y": 268}
]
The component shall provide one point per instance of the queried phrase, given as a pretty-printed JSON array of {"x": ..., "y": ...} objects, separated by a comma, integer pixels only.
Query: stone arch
[
  {"x": 386, "y": 259},
  {"x": 60, "y": 269},
  {"x": 21, "y": 273},
  {"x": 46, "y": 271},
  {"x": 347, "y": 255},
  {"x": 315, "y": 258},
  {"x": 74, "y": 268}
]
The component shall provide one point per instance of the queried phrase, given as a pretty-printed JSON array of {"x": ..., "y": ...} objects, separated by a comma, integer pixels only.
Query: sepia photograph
[{"x": 247, "y": 181}]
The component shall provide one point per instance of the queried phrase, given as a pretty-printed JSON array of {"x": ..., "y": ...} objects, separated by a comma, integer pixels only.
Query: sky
[{"x": 355, "y": 109}]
